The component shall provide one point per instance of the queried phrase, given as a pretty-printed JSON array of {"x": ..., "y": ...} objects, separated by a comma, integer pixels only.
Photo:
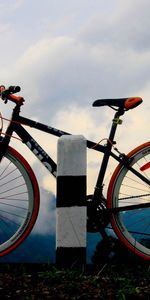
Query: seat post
[
  {"x": 99, "y": 185},
  {"x": 115, "y": 122}
]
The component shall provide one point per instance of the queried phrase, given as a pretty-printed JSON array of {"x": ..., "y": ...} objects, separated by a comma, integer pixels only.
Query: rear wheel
[
  {"x": 19, "y": 200},
  {"x": 125, "y": 189}
]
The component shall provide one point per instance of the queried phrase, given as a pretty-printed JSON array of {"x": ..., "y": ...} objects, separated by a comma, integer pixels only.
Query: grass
[
  {"x": 120, "y": 276},
  {"x": 112, "y": 281}
]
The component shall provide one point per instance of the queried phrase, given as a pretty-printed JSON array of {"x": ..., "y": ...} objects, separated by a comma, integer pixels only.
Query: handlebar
[{"x": 8, "y": 94}]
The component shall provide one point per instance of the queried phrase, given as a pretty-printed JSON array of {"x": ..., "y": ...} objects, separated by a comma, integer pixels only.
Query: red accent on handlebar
[
  {"x": 2, "y": 88},
  {"x": 17, "y": 99}
]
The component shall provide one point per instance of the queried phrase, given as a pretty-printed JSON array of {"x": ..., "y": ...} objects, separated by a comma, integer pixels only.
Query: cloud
[
  {"x": 61, "y": 75},
  {"x": 61, "y": 71},
  {"x": 46, "y": 219},
  {"x": 65, "y": 55},
  {"x": 57, "y": 72},
  {"x": 9, "y": 7},
  {"x": 102, "y": 59},
  {"x": 127, "y": 26}
]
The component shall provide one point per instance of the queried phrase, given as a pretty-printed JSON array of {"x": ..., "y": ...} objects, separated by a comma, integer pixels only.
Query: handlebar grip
[
  {"x": 8, "y": 94},
  {"x": 10, "y": 90},
  {"x": 14, "y": 89}
]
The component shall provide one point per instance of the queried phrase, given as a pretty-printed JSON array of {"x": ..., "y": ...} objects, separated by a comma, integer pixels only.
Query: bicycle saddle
[{"x": 126, "y": 103}]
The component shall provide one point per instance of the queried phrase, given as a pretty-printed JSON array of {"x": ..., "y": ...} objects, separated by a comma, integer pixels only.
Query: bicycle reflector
[{"x": 145, "y": 167}]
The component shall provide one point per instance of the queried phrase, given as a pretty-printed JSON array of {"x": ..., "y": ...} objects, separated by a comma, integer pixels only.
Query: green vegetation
[{"x": 110, "y": 281}]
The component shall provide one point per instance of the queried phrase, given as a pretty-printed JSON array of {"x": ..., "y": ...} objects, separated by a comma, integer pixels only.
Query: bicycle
[{"x": 127, "y": 206}]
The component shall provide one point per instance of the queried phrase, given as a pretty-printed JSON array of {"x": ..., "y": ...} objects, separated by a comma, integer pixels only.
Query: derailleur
[{"x": 97, "y": 215}]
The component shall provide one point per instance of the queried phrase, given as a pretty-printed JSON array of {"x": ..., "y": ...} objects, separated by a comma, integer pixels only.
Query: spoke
[
  {"x": 5, "y": 169},
  {"x": 131, "y": 203},
  {"x": 11, "y": 205},
  {"x": 147, "y": 227},
  {"x": 9, "y": 221},
  {"x": 137, "y": 232},
  {"x": 12, "y": 171},
  {"x": 133, "y": 213},
  {"x": 5, "y": 234},
  {"x": 12, "y": 214},
  {"x": 14, "y": 199},
  {"x": 133, "y": 197},
  {"x": 10, "y": 180},
  {"x": 133, "y": 187},
  {"x": 129, "y": 207},
  {"x": 17, "y": 210},
  {"x": 133, "y": 222},
  {"x": 138, "y": 182},
  {"x": 22, "y": 193},
  {"x": 18, "y": 186}
]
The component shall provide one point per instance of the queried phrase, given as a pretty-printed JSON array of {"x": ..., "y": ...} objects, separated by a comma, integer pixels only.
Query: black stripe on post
[{"x": 71, "y": 191}]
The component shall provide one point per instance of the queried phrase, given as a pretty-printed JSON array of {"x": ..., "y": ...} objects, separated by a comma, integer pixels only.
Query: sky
[{"x": 65, "y": 54}]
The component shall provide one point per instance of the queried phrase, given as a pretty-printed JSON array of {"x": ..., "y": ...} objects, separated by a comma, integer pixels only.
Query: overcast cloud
[{"x": 65, "y": 54}]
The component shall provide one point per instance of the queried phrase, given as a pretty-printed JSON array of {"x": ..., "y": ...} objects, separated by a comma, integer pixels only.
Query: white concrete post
[{"x": 71, "y": 201}]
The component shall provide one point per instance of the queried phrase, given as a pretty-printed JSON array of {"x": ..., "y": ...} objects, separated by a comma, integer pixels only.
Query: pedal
[{"x": 96, "y": 216}]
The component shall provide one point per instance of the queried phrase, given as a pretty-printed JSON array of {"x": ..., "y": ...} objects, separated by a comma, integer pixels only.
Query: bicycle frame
[{"x": 16, "y": 123}]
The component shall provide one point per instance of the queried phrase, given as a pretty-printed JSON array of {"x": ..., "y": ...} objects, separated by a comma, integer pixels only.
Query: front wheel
[
  {"x": 125, "y": 189},
  {"x": 19, "y": 200}
]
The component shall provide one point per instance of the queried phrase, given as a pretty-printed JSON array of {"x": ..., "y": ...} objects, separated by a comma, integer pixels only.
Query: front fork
[
  {"x": 4, "y": 141},
  {"x": 3, "y": 147}
]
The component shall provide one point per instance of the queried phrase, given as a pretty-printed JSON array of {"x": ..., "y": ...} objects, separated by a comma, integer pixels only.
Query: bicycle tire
[
  {"x": 19, "y": 200},
  {"x": 132, "y": 227}
]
